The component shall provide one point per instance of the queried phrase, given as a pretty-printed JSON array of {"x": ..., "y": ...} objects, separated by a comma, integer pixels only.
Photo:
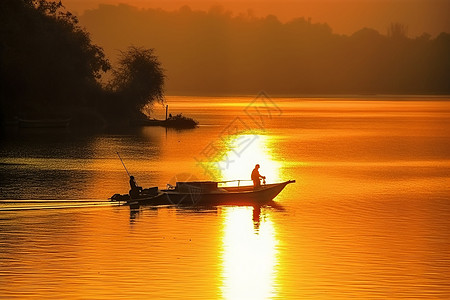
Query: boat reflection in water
[{"x": 249, "y": 254}]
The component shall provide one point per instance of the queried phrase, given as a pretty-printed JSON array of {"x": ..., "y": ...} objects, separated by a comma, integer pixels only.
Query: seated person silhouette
[
  {"x": 135, "y": 189},
  {"x": 256, "y": 177}
]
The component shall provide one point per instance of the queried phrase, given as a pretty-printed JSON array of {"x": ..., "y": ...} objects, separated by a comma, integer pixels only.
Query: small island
[{"x": 178, "y": 122}]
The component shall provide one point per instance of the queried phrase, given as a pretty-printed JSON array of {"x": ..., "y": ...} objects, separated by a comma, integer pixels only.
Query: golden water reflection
[
  {"x": 243, "y": 152},
  {"x": 249, "y": 255}
]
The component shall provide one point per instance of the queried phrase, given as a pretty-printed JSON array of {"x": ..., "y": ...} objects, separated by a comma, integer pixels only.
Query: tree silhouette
[
  {"x": 48, "y": 63},
  {"x": 138, "y": 80}
]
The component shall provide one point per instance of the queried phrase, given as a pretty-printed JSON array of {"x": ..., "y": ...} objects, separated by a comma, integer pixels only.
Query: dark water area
[{"x": 368, "y": 218}]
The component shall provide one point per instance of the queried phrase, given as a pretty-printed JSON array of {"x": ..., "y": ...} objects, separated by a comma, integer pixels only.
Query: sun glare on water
[
  {"x": 243, "y": 153},
  {"x": 249, "y": 256}
]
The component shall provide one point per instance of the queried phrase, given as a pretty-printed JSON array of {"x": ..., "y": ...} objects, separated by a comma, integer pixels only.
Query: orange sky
[{"x": 344, "y": 16}]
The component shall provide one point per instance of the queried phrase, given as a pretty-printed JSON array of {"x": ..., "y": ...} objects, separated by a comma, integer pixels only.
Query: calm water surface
[{"x": 369, "y": 216}]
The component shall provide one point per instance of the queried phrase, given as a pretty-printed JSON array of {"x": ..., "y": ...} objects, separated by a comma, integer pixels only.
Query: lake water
[{"x": 368, "y": 218}]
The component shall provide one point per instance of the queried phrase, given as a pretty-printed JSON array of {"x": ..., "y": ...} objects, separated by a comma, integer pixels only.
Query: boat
[{"x": 205, "y": 193}]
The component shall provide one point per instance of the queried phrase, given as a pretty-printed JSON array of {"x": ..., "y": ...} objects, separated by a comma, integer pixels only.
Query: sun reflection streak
[
  {"x": 249, "y": 256},
  {"x": 244, "y": 152}
]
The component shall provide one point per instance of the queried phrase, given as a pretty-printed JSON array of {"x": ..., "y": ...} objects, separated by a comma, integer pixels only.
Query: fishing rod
[{"x": 128, "y": 173}]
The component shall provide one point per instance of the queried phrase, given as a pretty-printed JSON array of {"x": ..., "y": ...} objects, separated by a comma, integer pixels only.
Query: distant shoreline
[{"x": 316, "y": 96}]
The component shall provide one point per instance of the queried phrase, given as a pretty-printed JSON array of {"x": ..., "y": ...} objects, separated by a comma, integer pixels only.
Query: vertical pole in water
[{"x": 167, "y": 108}]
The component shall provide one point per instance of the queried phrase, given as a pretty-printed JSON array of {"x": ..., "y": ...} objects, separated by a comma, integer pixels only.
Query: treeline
[
  {"x": 50, "y": 68},
  {"x": 216, "y": 52}
]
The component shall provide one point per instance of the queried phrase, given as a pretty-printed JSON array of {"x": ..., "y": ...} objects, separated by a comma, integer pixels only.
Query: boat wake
[{"x": 18, "y": 205}]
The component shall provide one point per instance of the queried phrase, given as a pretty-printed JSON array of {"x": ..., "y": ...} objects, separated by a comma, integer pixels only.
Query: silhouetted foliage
[
  {"x": 48, "y": 63},
  {"x": 138, "y": 80},
  {"x": 50, "y": 68},
  {"x": 216, "y": 52},
  {"x": 180, "y": 121}
]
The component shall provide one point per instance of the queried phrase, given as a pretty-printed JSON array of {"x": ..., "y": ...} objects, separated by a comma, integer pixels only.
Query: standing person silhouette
[{"x": 256, "y": 177}]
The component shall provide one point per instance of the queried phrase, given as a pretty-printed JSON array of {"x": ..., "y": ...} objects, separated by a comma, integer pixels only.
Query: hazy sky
[{"x": 344, "y": 16}]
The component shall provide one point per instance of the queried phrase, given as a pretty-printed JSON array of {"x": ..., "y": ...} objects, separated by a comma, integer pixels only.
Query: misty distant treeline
[{"x": 216, "y": 52}]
